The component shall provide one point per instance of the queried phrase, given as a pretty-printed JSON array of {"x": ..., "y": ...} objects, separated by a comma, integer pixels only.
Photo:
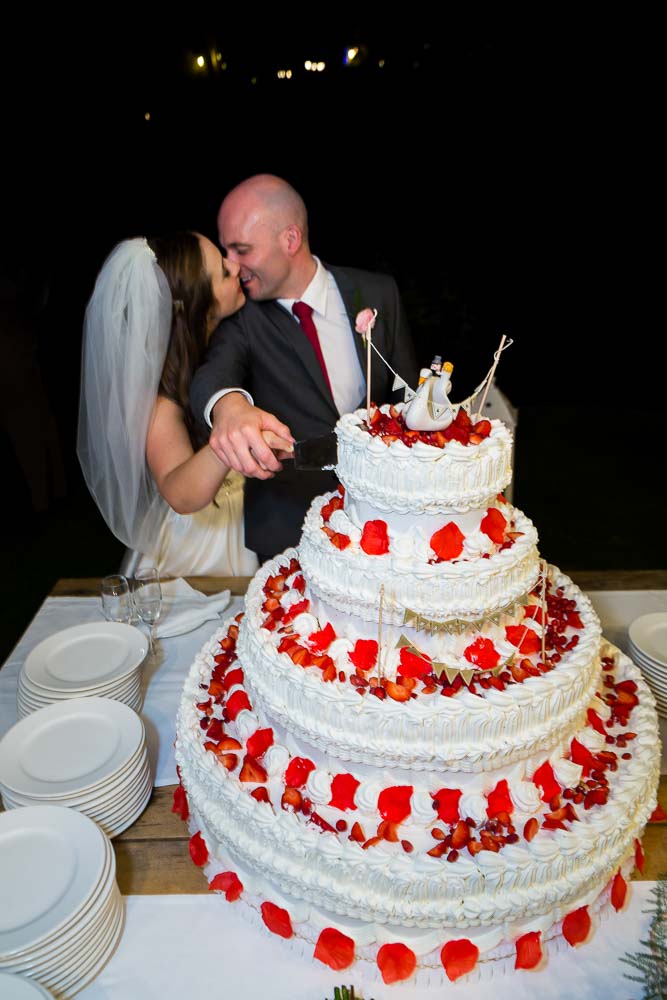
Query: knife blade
[{"x": 316, "y": 454}]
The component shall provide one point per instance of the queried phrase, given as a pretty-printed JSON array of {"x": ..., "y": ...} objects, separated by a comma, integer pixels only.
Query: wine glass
[
  {"x": 147, "y": 595},
  {"x": 116, "y": 600}
]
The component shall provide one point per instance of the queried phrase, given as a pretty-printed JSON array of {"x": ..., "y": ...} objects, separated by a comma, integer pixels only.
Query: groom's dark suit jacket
[{"x": 264, "y": 350}]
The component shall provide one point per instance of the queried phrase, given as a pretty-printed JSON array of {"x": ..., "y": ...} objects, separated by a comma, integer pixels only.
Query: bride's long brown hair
[{"x": 180, "y": 258}]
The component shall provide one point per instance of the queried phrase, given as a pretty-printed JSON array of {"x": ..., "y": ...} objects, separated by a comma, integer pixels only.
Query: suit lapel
[
  {"x": 290, "y": 331},
  {"x": 353, "y": 298}
]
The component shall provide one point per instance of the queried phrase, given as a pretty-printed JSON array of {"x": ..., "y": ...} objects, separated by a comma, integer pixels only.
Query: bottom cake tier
[{"x": 412, "y": 871}]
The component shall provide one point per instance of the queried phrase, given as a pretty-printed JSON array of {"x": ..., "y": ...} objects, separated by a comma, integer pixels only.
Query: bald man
[{"x": 264, "y": 369}]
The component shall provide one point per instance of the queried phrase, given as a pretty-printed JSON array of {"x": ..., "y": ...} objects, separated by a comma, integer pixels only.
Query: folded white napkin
[{"x": 184, "y": 608}]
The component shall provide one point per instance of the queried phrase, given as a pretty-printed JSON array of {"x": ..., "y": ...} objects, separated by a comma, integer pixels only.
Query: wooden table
[{"x": 152, "y": 855}]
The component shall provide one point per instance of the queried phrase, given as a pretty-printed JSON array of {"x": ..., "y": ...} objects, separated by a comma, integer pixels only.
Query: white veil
[{"x": 125, "y": 340}]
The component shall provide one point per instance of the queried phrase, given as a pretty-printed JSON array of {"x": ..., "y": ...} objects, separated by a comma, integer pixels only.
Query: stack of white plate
[
  {"x": 89, "y": 755},
  {"x": 62, "y": 913},
  {"x": 100, "y": 659},
  {"x": 648, "y": 649}
]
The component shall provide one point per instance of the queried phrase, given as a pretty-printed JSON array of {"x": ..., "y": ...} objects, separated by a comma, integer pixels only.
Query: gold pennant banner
[
  {"x": 451, "y": 672},
  {"x": 457, "y": 626}
]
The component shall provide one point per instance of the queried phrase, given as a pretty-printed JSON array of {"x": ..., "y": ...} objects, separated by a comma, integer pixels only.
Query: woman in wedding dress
[{"x": 159, "y": 486}]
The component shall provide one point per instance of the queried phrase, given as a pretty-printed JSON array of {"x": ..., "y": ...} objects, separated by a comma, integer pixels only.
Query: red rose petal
[
  {"x": 494, "y": 525},
  {"x": 198, "y": 849},
  {"x": 180, "y": 804},
  {"x": 459, "y": 958},
  {"x": 320, "y": 641},
  {"x": 365, "y": 653},
  {"x": 544, "y": 777},
  {"x": 238, "y": 701},
  {"x": 412, "y": 665},
  {"x": 482, "y": 653},
  {"x": 394, "y": 803},
  {"x": 448, "y": 542},
  {"x": 499, "y": 800},
  {"x": 657, "y": 815},
  {"x": 229, "y": 883},
  {"x": 577, "y": 926},
  {"x": 596, "y": 722},
  {"x": 259, "y": 742},
  {"x": 619, "y": 890},
  {"x": 374, "y": 538},
  {"x": 343, "y": 788},
  {"x": 396, "y": 962},
  {"x": 525, "y": 639},
  {"x": 580, "y": 755},
  {"x": 448, "y": 804},
  {"x": 297, "y": 772},
  {"x": 639, "y": 856},
  {"x": 334, "y": 949},
  {"x": 528, "y": 951},
  {"x": 277, "y": 920}
]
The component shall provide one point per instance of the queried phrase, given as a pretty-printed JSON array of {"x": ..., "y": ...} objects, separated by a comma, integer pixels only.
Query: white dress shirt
[{"x": 348, "y": 383}]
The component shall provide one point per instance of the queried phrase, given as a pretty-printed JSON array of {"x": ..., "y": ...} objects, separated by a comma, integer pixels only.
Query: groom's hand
[{"x": 239, "y": 437}]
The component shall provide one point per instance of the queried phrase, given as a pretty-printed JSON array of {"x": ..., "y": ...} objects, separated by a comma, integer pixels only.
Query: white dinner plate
[
  {"x": 92, "y": 964},
  {"x": 86, "y": 655},
  {"x": 51, "y": 861},
  {"x": 649, "y": 635},
  {"x": 14, "y": 987},
  {"x": 69, "y": 747},
  {"x": 127, "y": 683}
]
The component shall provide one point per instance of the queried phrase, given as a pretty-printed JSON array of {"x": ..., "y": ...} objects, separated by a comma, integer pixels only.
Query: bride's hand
[{"x": 280, "y": 446}]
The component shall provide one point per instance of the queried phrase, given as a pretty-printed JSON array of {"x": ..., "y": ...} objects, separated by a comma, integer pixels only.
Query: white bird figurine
[{"x": 430, "y": 409}]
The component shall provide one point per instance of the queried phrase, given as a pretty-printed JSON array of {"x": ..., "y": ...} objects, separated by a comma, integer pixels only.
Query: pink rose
[{"x": 365, "y": 320}]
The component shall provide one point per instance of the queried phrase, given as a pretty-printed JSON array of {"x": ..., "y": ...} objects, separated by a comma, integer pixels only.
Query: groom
[{"x": 294, "y": 349}]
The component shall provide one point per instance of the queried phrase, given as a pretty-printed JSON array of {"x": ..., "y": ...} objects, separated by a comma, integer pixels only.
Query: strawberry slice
[
  {"x": 374, "y": 538},
  {"x": 277, "y": 920},
  {"x": 274, "y": 584},
  {"x": 252, "y": 771},
  {"x": 396, "y": 962},
  {"x": 357, "y": 834},
  {"x": 364, "y": 655},
  {"x": 482, "y": 653},
  {"x": 343, "y": 789},
  {"x": 658, "y": 815},
  {"x": 528, "y": 951},
  {"x": 499, "y": 800},
  {"x": 291, "y": 800},
  {"x": 447, "y": 543},
  {"x": 397, "y": 691},
  {"x": 483, "y": 428},
  {"x": 448, "y": 804},
  {"x": 494, "y": 525},
  {"x": 577, "y": 926},
  {"x": 336, "y": 503},
  {"x": 260, "y": 793},
  {"x": 297, "y": 771},
  {"x": 580, "y": 755},
  {"x": 215, "y": 731},
  {"x": 259, "y": 742},
  {"x": 619, "y": 890},
  {"x": 229, "y": 883},
  {"x": 460, "y": 835},
  {"x": 334, "y": 949},
  {"x": 232, "y": 678},
  {"x": 394, "y": 802},
  {"x": 295, "y": 610},
  {"x": 459, "y": 957},
  {"x": 299, "y": 584},
  {"x": 180, "y": 803},
  {"x": 531, "y": 828},
  {"x": 198, "y": 849}
]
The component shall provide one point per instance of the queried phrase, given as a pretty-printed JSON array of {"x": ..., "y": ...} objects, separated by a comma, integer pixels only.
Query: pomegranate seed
[
  {"x": 453, "y": 855},
  {"x": 407, "y": 846},
  {"x": 627, "y": 756},
  {"x": 341, "y": 826}
]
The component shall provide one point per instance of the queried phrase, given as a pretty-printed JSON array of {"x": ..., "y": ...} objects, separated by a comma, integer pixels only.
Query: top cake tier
[{"x": 422, "y": 478}]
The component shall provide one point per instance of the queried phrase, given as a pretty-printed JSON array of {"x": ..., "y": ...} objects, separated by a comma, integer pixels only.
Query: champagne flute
[
  {"x": 147, "y": 595},
  {"x": 116, "y": 600}
]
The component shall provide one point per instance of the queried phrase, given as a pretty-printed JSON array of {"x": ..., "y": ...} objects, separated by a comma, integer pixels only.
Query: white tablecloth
[
  {"x": 163, "y": 677},
  {"x": 198, "y": 947}
]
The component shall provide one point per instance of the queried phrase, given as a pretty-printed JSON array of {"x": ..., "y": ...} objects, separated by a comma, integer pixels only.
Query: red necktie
[{"x": 304, "y": 314}]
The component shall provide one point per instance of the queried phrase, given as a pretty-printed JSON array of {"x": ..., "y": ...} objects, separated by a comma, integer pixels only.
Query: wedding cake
[{"x": 413, "y": 750}]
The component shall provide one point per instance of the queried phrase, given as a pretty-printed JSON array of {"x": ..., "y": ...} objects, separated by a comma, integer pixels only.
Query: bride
[{"x": 160, "y": 488}]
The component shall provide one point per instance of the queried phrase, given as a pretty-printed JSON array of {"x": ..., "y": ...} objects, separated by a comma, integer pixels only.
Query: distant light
[
  {"x": 223, "y": 66},
  {"x": 288, "y": 74},
  {"x": 254, "y": 80},
  {"x": 201, "y": 62},
  {"x": 147, "y": 116},
  {"x": 218, "y": 56},
  {"x": 320, "y": 67},
  {"x": 308, "y": 64},
  {"x": 381, "y": 64},
  {"x": 281, "y": 74},
  {"x": 352, "y": 54}
]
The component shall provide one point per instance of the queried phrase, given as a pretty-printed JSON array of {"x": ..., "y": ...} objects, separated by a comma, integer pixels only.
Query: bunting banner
[{"x": 457, "y": 626}]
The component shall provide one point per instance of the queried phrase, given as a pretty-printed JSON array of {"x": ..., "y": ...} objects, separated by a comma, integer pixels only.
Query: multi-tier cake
[{"x": 413, "y": 749}]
